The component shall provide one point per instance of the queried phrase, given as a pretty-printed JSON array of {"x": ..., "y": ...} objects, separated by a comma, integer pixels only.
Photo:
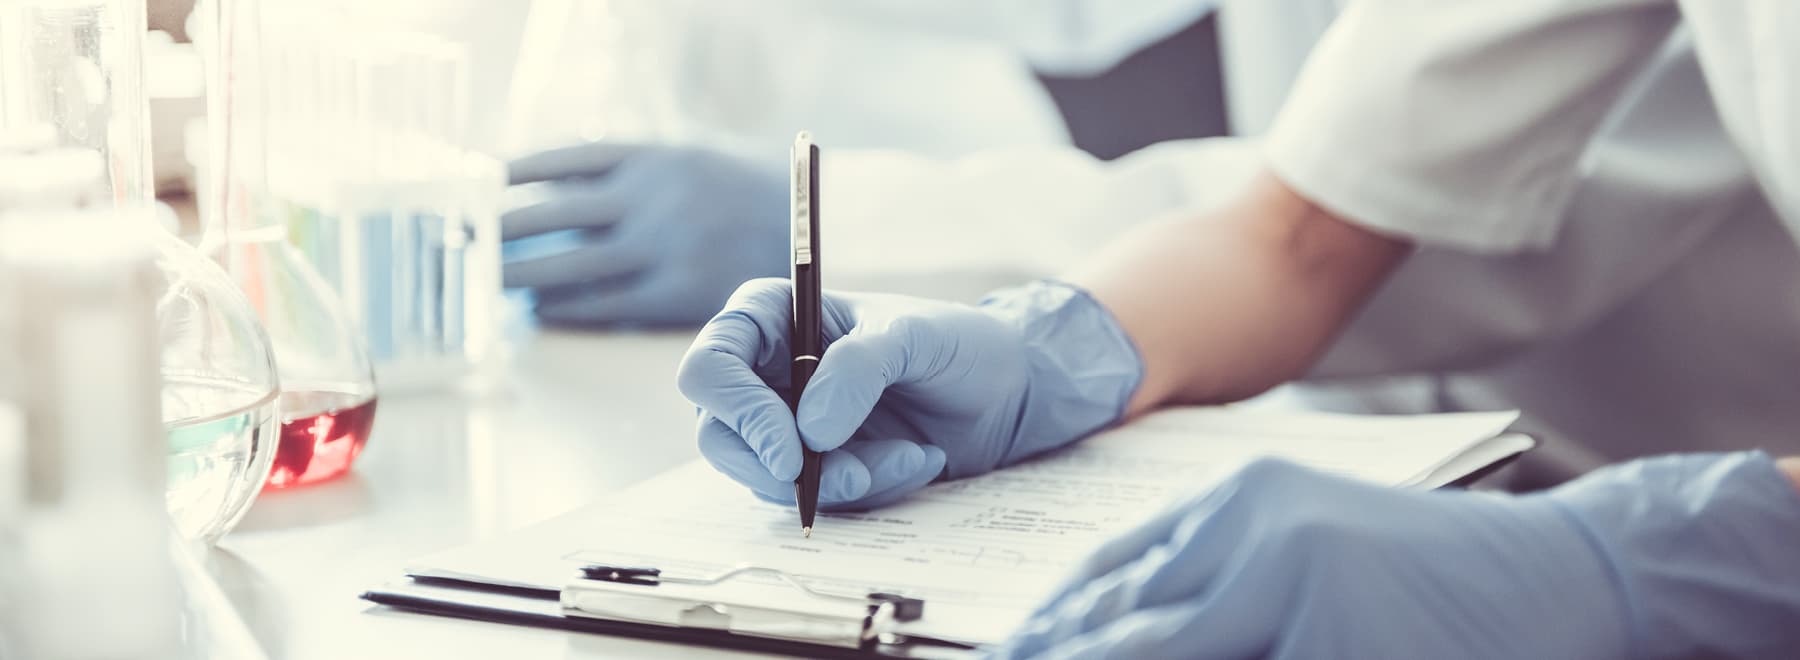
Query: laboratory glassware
[
  {"x": 218, "y": 372},
  {"x": 369, "y": 167},
  {"x": 71, "y": 77},
  {"x": 327, "y": 405},
  {"x": 417, "y": 249},
  {"x": 81, "y": 348},
  {"x": 76, "y": 67}
]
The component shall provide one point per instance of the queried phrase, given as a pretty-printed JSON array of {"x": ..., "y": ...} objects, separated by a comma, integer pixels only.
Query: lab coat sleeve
[
  {"x": 1460, "y": 123},
  {"x": 1660, "y": 182},
  {"x": 1058, "y": 37},
  {"x": 1026, "y": 212}
]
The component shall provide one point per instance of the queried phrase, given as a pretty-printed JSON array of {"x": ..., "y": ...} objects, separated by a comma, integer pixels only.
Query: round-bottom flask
[
  {"x": 219, "y": 386},
  {"x": 327, "y": 402},
  {"x": 219, "y": 392}
]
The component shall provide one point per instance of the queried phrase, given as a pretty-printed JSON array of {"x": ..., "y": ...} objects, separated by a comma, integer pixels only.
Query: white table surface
[{"x": 577, "y": 416}]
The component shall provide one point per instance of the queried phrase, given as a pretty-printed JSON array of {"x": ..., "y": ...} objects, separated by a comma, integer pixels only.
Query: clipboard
[
  {"x": 553, "y": 598},
  {"x": 623, "y": 601}
]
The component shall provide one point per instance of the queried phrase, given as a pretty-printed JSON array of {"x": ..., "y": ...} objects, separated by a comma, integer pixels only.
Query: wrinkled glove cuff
[
  {"x": 1083, "y": 368},
  {"x": 1706, "y": 548}
]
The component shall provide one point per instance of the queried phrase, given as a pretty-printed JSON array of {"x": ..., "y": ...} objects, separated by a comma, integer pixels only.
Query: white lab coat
[
  {"x": 931, "y": 114},
  {"x": 746, "y": 76},
  {"x": 905, "y": 219},
  {"x": 933, "y": 121},
  {"x": 1032, "y": 210},
  {"x": 1601, "y": 248},
  {"x": 935, "y": 127},
  {"x": 941, "y": 78}
]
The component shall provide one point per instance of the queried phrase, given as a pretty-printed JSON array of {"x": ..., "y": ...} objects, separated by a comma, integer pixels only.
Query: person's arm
[
  {"x": 1467, "y": 132},
  {"x": 1279, "y": 276}
]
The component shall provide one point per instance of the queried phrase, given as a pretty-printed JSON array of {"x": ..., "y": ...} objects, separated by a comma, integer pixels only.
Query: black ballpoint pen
[{"x": 807, "y": 341}]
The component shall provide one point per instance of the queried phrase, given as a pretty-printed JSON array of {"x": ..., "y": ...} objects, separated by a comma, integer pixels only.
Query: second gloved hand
[
  {"x": 663, "y": 234},
  {"x": 908, "y": 389},
  {"x": 1685, "y": 556}
]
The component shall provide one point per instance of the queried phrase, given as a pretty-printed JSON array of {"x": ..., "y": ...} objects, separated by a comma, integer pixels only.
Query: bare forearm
[{"x": 1226, "y": 305}]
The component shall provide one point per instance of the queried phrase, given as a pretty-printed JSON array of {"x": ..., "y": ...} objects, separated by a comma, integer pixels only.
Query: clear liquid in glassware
[
  {"x": 322, "y": 431},
  {"x": 220, "y": 436}
]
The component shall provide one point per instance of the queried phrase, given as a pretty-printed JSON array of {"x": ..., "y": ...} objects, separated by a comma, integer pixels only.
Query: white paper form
[{"x": 980, "y": 551}]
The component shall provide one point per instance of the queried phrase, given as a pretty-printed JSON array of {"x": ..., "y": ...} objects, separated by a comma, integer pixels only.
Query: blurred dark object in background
[
  {"x": 170, "y": 16},
  {"x": 1170, "y": 90}
]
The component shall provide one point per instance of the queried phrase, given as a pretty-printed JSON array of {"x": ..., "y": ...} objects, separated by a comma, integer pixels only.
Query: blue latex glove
[
  {"x": 663, "y": 234},
  {"x": 907, "y": 390},
  {"x": 1680, "y": 556}
]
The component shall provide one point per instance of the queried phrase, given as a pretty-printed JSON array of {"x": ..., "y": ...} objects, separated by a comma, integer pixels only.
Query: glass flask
[
  {"x": 219, "y": 391},
  {"x": 327, "y": 405},
  {"x": 218, "y": 373},
  {"x": 71, "y": 87}
]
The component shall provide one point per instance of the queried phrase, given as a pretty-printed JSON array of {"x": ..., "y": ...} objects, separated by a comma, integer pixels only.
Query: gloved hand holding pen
[
  {"x": 908, "y": 389},
  {"x": 665, "y": 233}
]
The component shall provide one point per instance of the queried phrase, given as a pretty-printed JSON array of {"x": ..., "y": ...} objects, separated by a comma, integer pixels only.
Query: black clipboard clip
[{"x": 864, "y": 622}]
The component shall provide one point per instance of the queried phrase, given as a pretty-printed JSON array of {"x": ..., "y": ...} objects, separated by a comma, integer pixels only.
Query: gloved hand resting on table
[
  {"x": 908, "y": 389},
  {"x": 665, "y": 232},
  {"x": 1676, "y": 557}
]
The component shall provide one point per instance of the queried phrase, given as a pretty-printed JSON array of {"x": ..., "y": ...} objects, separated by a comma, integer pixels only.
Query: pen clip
[{"x": 802, "y": 184}]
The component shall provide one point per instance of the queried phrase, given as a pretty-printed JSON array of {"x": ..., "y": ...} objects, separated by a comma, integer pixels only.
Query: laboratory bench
[{"x": 570, "y": 418}]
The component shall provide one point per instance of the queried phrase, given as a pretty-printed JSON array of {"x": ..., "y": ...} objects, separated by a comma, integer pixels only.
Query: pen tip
[{"x": 806, "y": 532}]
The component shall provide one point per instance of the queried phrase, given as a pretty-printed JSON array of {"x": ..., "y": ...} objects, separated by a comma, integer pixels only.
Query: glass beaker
[
  {"x": 327, "y": 403},
  {"x": 72, "y": 104}
]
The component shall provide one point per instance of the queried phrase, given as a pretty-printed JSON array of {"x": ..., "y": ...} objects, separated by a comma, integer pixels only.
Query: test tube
[
  {"x": 368, "y": 167},
  {"x": 419, "y": 221}
]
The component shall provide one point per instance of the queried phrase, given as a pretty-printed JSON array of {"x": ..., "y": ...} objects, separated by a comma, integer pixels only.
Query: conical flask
[
  {"x": 72, "y": 137},
  {"x": 328, "y": 388}
]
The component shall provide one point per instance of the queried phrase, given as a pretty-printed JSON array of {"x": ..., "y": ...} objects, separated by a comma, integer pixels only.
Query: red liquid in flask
[{"x": 321, "y": 433}]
